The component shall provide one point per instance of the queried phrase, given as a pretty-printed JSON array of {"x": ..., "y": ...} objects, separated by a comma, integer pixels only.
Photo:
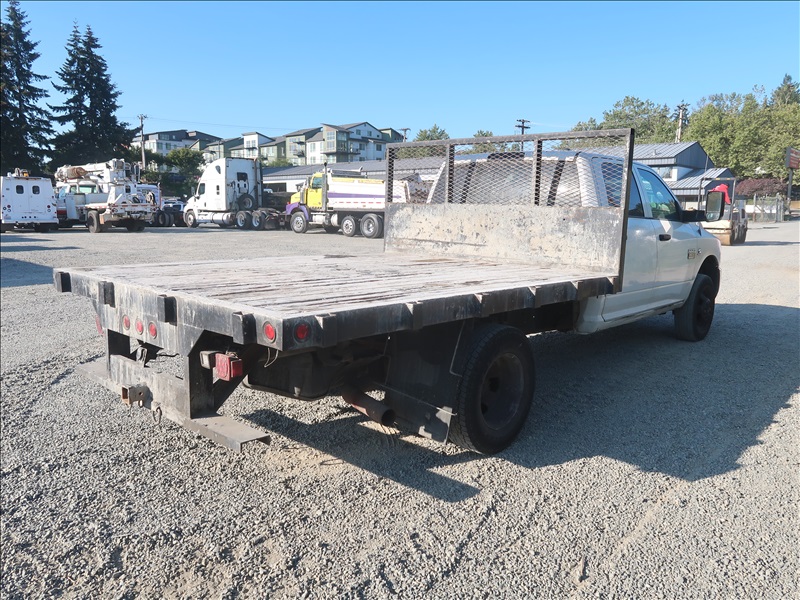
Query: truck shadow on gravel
[
  {"x": 384, "y": 453},
  {"x": 638, "y": 395},
  {"x": 634, "y": 394},
  {"x": 20, "y": 273}
]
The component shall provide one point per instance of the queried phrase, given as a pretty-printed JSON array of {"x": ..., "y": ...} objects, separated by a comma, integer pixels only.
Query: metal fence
[
  {"x": 767, "y": 209},
  {"x": 565, "y": 169}
]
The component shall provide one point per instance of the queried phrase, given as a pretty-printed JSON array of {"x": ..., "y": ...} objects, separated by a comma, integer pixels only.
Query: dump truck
[
  {"x": 346, "y": 200},
  {"x": 102, "y": 195},
  {"x": 27, "y": 202},
  {"x": 545, "y": 234}
]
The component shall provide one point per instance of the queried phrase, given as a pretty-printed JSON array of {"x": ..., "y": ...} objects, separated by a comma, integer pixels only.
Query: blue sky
[{"x": 226, "y": 68}]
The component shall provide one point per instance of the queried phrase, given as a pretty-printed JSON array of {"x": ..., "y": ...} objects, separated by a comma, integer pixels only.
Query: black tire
[
  {"x": 136, "y": 227},
  {"x": 190, "y": 219},
  {"x": 244, "y": 219},
  {"x": 496, "y": 391},
  {"x": 349, "y": 226},
  {"x": 259, "y": 220},
  {"x": 93, "y": 222},
  {"x": 42, "y": 227},
  {"x": 693, "y": 319},
  {"x": 246, "y": 202},
  {"x": 170, "y": 219},
  {"x": 299, "y": 223},
  {"x": 331, "y": 229},
  {"x": 162, "y": 219},
  {"x": 370, "y": 226}
]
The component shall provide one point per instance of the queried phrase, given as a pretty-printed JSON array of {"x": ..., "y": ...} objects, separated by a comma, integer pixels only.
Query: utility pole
[
  {"x": 522, "y": 125},
  {"x": 404, "y": 130},
  {"x": 141, "y": 124}
]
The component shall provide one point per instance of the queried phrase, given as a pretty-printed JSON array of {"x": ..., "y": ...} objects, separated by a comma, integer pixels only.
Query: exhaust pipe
[{"x": 374, "y": 409}]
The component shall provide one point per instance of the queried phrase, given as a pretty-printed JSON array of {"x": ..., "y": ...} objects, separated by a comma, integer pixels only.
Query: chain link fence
[
  {"x": 556, "y": 170},
  {"x": 767, "y": 209}
]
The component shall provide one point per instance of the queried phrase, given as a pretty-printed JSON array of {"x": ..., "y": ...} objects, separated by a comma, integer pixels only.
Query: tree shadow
[{"x": 20, "y": 273}]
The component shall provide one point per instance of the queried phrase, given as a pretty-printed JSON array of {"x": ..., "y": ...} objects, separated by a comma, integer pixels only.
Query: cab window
[
  {"x": 662, "y": 203},
  {"x": 35, "y": 189},
  {"x": 635, "y": 206},
  {"x": 201, "y": 189},
  {"x": 316, "y": 183}
]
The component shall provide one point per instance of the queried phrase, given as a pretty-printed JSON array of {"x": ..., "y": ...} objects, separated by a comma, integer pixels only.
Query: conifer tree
[
  {"x": 24, "y": 126},
  {"x": 90, "y": 106}
]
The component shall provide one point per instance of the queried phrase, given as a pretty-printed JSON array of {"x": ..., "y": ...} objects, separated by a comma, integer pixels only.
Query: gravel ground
[{"x": 649, "y": 468}]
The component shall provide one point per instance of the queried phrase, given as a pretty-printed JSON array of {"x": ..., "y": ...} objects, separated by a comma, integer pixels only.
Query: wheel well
[{"x": 710, "y": 267}]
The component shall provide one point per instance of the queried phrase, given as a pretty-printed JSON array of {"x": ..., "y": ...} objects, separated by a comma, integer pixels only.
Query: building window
[
  {"x": 358, "y": 132},
  {"x": 330, "y": 135},
  {"x": 378, "y": 147}
]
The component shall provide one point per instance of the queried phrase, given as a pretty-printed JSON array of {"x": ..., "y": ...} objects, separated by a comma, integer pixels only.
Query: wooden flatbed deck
[{"x": 349, "y": 296}]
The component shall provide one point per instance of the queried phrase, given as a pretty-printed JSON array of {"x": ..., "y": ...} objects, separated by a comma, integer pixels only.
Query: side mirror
[{"x": 714, "y": 202}]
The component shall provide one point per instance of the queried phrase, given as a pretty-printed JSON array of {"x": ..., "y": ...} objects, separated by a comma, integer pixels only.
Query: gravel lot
[{"x": 649, "y": 468}]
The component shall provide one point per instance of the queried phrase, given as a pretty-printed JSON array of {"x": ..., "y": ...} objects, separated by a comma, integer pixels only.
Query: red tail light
[
  {"x": 139, "y": 326},
  {"x": 152, "y": 330},
  {"x": 302, "y": 331},
  {"x": 269, "y": 331},
  {"x": 126, "y": 322}
]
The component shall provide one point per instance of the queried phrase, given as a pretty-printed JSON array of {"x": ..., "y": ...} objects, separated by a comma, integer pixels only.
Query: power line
[{"x": 522, "y": 125}]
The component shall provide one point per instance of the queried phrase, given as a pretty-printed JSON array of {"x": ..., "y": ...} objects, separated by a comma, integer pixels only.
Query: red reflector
[
  {"x": 126, "y": 322},
  {"x": 270, "y": 332},
  {"x": 227, "y": 366},
  {"x": 99, "y": 326},
  {"x": 302, "y": 331},
  {"x": 139, "y": 326},
  {"x": 151, "y": 329}
]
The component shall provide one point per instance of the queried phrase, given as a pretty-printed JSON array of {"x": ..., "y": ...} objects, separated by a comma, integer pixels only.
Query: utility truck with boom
[
  {"x": 564, "y": 233},
  {"x": 102, "y": 195},
  {"x": 230, "y": 193}
]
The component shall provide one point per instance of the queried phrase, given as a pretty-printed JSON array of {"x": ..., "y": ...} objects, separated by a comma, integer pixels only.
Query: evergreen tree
[
  {"x": 788, "y": 93},
  {"x": 24, "y": 126},
  {"x": 91, "y": 101}
]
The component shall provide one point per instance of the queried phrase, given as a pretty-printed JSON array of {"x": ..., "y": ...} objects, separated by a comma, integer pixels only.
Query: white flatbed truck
[{"x": 551, "y": 237}]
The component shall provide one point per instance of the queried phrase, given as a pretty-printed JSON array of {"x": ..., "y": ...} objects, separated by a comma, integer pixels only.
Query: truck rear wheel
[
  {"x": 496, "y": 391},
  {"x": 299, "y": 222},
  {"x": 259, "y": 220},
  {"x": 693, "y": 319},
  {"x": 244, "y": 219},
  {"x": 371, "y": 226},
  {"x": 349, "y": 226},
  {"x": 93, "y": 222},
  {"x": 162, "y": 219}
]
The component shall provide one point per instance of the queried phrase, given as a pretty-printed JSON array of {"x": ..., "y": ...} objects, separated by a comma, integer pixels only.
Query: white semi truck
[
  {"x": 27, "y": 202},
  {"x": 230, "y": 193},
  {"x": 102, "y": 195},
  {"x": 429, "y": 335}
]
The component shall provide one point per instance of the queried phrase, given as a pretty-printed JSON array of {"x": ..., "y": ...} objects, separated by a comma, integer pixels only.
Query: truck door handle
[{"x": 663, "y": 237}]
